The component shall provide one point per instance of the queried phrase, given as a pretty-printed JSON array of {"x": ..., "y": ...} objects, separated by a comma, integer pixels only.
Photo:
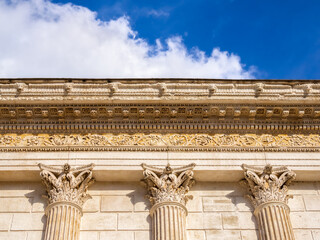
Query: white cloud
[{"x": 42, "y": 39}]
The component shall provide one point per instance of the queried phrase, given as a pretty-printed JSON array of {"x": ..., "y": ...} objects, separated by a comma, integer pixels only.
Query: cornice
[
  {"x": 158, "y": 105},
  {"x": 153, "y": 90},
  {"x": 156, "y": 111}
]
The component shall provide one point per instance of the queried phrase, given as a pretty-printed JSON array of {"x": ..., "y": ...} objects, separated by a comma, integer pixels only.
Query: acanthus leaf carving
[
  {"x": 67, "y": 184},
  {"x": 168, "y": 184},
  {"x": 268, "y": 184}
]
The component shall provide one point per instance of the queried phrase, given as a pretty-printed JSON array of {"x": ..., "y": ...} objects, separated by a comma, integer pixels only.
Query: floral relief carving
[
  {"x": 265, "y": 141},
  {"x": 67, "y": 184},
  {"x": 267, "y": 184},
  {"x": 168, "y": 184}
]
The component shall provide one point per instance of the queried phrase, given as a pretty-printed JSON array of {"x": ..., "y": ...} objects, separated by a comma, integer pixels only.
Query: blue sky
[{"x": 273, "y": 39}]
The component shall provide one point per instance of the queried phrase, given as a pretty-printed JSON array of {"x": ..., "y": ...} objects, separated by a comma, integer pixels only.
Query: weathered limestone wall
[{"x": 120, "y": 211}]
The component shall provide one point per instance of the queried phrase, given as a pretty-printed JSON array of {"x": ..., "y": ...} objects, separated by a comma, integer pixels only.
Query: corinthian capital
[
  {"x": 66, "y": 184},
  {"x": 268, "y": 184},
  {"x": 168, "y": 184}
]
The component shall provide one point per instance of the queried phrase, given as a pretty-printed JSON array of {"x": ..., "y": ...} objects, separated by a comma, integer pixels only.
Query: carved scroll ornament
[
  {"x": 66, "y": 184},
  {"x": 168, "y": 184},
  {"x": 268, "y": 184}
]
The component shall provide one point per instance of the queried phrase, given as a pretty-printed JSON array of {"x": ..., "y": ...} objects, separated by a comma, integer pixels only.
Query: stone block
[
  {"x": 305, "y": 220},
  {"x": 15, "y": 204},
  {"x": 134, "y": 221},
  {"x": 116, "y": 204},
  {"x": 196, "y": 235},
  {"x": 223, "y": 235},
  {"x": 195, "y": 221},
  {"x": 303, "y": 188},
  {"x": 116, "y": 235},
  {"x": 141, "y": 203},
  {"x": 27, "y": 221},
  {"x": 5, "y": 221},
  {"x": 13, "y": 235},
  {"x": 35, "y": 235},
  {"x": 303, "y": 234},
  {"x": 243, "y": 204},
  {"x": 241, "y": 220},
  {"x": 195, "y": 205},
  {"x": 249, "y": 235},
  {"x": 99, "y": 221},
  {"x": 214, "y": 204},
  {"x": 296, "y": 204},
  {"x": 312, "y": 202},
  {"x": 218, "y": 189},
  {"x": 212, "y": 221},
  {"x": 92, "y": 205},
  {"x": 39, "y": 204},
  {"x": 200, "y": 221},
  {"x": 316, "y": 234},
  {"x": 144, "y": 235},
  {"x": 21, "y": 189},
  {"x": 89, "y": 235}
]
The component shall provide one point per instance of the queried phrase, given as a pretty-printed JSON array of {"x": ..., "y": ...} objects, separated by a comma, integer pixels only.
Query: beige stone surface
[
  {"x": 117, "y": 235},
  {"x": 99, "y": 221},
  {"x": 35, "y": 235},
  {"x": 217, "y": 204},
  {"x": 303, "y": 234},
  {"x": 89, "y": 235},
  {"x": 196, "y": 235},
  {"x": 13, "y": 235},
  {"x": 223, "y": 235},
  {"x": 240, "y": 220},
  {"x": 316, "y": 234},
  {"x": 39, "y": 203},
  {"x": 5, "y": 221},
  {"x": 145, "y": 235},
  {"x": 305, "y": 220},
  {"x": 117, "y": 203},
  {"x": 15, "y": 204},
  {"x": 243, "y": 204},
  {"x": 195, "y": 205},
  {"x": 296, "y": 204},
  {"x": 312, "y": 202},
  {"x": 230, "y": 224},
  {"x": 27, "y": 221},
  {"x": 92, "y": 205},
  {"x": 249, "y": 235},
  {"x": 199, "y": 221},
  {"x": 125, "y": 166},
  {"x": 134, "y": 221}
]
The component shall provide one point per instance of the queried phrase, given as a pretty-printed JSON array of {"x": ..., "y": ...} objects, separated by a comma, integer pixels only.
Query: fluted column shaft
[
  {"x": 168, "y": 221},
  {"x": 63, "y": 221},
  {"x": 274, "y": 221}
]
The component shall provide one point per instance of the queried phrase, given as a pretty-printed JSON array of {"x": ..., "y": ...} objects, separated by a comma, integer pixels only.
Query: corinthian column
[
  {"x": 269, "y": 195},
  {"x": 167, "y": 192},
  {"x": 67, "y": 192}
]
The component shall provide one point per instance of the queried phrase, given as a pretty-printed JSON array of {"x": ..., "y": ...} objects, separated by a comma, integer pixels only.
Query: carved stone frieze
[
  {"x": 204, "y": 142},
  {"x": 168, "y": 184},
  {"x": 67, "y": 184},
  {"x": 268, "y": 184}
]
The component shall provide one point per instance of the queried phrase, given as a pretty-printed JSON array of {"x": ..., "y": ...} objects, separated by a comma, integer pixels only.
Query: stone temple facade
[{"x": 159, "y": 159}]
